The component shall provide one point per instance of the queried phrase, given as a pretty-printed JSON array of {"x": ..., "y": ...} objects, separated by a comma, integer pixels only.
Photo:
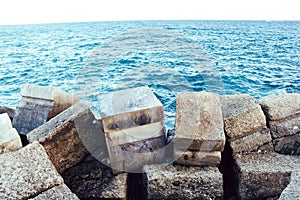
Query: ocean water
[{"x": 90, "y": 59}]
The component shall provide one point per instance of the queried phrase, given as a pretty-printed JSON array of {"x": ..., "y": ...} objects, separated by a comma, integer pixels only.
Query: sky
[{"x": 56, "y": 11}]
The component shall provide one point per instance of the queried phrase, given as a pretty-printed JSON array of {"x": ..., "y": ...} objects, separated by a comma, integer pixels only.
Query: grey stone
[
  {"x": 263, "y": 176},
  {"x": 9, "y": 137},
  {"x": 133, "y": 122},
  {"x": 69, "y": 136},
  {"x": 61, "y": 192},
  {"x": 287, "y": 127},
  {"x": 91, "y": 179},
  {"x": 180, "y": 182},
  {"x": 281, "y": 106},
  {"x": 251, "y": 142},
  {"x": 197, "y": 158},
  {"x": 199, "y": 122},
  {"x": 288, "y": 145},
  {"x": 26, "y": 173},
  {"x": 242, "y": 115},
  {"x": 9, "y": 111},
  {"x": 39, "y": 104},
  {"x": 292, "y": 191}
]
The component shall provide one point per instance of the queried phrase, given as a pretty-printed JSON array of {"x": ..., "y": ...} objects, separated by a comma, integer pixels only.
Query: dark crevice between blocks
[
  {"x": 24, "y": 140},
  {"x": 231, "y": 174},
  {"x": 136, "y": 186}
]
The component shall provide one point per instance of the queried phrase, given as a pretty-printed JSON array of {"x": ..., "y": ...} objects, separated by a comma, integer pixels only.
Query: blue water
[{"x": 88, "y": 59}]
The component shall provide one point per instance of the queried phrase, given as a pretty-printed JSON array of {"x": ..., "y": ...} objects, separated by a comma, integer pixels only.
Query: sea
[{"x": 93, "y": 58}]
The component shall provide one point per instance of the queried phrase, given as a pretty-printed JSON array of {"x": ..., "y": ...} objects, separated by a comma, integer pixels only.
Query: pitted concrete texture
[
  {"x": 292, "y": 191},
  {"x": 61, "y": 192}
]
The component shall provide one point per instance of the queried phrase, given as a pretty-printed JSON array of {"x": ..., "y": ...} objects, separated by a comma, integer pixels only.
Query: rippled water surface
[{"x": 89, "y": 59}]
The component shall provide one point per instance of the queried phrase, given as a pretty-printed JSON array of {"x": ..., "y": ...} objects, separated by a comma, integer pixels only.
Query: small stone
[
  {"x": 251, "y": 142},
  {"x": 289, "y": 145},
  {"x": 61, "y": 192},
  {"x": 69, "y": 136},
  {"x": 263, "y": 176},
  {"x": 242, "y": 115},
  {"x": 281, "y": 106},
  {"x": 199, "y": 122},
  {"x": 197, "y": 158},
  {"x": 26, "y": 173},
  {"x": 179, "y": 182},
  {"x": 286, "y": 127}
]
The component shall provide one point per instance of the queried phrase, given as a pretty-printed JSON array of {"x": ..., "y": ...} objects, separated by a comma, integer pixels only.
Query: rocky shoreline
[{"x": 223, "y": 147}]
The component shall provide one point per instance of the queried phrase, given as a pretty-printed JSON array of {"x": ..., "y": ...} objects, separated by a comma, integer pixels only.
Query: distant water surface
[{"x": 89, "y": 59}]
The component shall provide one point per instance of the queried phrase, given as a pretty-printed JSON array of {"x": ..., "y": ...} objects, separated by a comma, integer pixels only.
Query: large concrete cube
[
  {"x": 133, "y": 122},
  {"x": 9, "y": 137},
  {"x": 69, "y": 136},
  {"x": 26, "y": 173},
  {"x": 39, "y": 104},
  {"x": 179, "y": 182}
]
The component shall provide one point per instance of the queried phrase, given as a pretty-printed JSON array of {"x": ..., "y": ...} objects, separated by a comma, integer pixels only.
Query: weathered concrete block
[
  {"x": 281, "y": 106},
  {"x": 251, "y": 142},
  {"x": 263, "y": 176},
  {"x": 242, "y": 115},
  {"x": 9, "y": 111},
  {"x": 26, "y": 173},
  {"x": 288, "y": 145},
  {"x": 9, "y": 137},
  {"x": 61, "y": 192},
  {"x": 133, "y": 122},
  {"x": 90, "y": 179},
  {"x": 179, "y": 182},
  {"x": 39, "y": 104},
  {"x": 197, "y": 158},
  {"x": 68, "y": 137},
  {"x": 287, "y": 127},
  {"x": 292, "y": 191},
  {"x": 199, "y": 122}
]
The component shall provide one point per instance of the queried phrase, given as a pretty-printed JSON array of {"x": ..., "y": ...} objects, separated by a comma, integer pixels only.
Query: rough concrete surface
[
  {"x": 289, "y": 145},
  {"x": 287, "y": 127},
  {"x": 61, "y": 192},
  {"x": 292, "y": 191}
]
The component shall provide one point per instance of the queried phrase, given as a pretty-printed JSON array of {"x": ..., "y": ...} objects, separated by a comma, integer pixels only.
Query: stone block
[
  {"x": 289, "y": 145},
  {"x": 69, "y": 136},
  {"x": 61, "y": 192},
  {"x": 39, "y": 104},
  {"x": 133, "y": 122},
  {"x": 26, "y": 173},
  {"x": 197, "y": 158},
  {"x": 292, "y": 191},
  {"x": 262, "y": 176},
  {"x": 90, "y": 179},
  {"x": 9, "y": 111},
  {"x": 5, "y": 122},
  {"x": 251, "y": 142},
  {"x": 281, "y": 106},
  {"x": 179, "y": 182},
  {"x": 199, "y": 122},
  {"x": 287, "y": 127},
  {"x": 242, "y": 115}
]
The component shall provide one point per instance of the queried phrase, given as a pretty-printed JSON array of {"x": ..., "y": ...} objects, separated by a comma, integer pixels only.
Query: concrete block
[
  {"x": 26, "y": 173},
  {"x": 289, "y": 145},
  {"x": 242, "y": 115},
  {"x": 5, "y": 123},
  {"x": 292, "y": 191},
  {"x": 9, "y": 111},
  {"x": 263, "y": 176},
  {"x": 90, "y": 179},
  {"x": 61, "y": 192},
  {"x": 289, "y": 126},
  {"x": 39, "y": 104},
  {"x": 251, "y": 142},
  {"x": 178, "y": 182},
  {"x": 197, "y": 158},
  {"x": 281, "y": 106},
  {"x": 69, "y": 136},
  {"x": 199, "y": 122},
  {"x": 133, "y": 122}
]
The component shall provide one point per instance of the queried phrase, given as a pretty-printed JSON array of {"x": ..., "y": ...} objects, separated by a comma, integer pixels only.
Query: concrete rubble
[
  {"x": 9, "y": 137},
  {"x": 39, "y": 104},
  {"x": 133, "y": 123},
  {"x": 199, "y": 138},
  {"x": 244, "y": 123},
  {"x": 283, "y": 117}
]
